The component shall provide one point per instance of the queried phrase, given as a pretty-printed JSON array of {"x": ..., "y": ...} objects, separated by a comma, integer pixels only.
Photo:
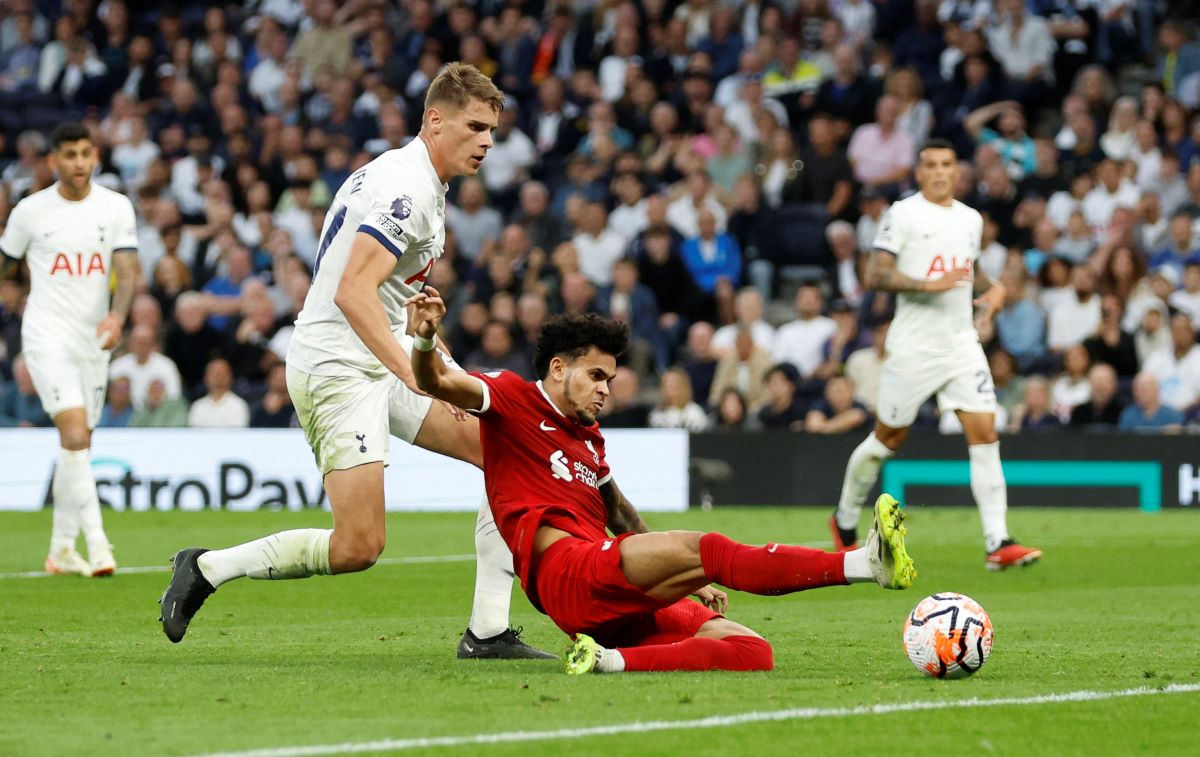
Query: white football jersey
[
  {"x": 399, "y": 200},
  {"x": 930, "y": 240},
  {"x": 68, "y": 246}
]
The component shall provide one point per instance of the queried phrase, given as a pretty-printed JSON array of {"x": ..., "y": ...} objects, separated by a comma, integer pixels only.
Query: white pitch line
[
  {"x": 413, "y": 560},
  {"x": 714, "y": 721}
]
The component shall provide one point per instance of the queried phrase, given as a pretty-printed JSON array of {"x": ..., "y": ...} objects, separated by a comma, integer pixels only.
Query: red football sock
[
  {"x": 701, "y": 653},
  {"x": 773, "y": 569}
]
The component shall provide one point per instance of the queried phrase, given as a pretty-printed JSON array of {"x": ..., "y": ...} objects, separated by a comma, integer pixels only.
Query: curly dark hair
[{"x": 570, "y": 336}]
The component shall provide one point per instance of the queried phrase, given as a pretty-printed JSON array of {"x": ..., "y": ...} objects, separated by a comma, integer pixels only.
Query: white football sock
[
  {"x": 70, "y": 489},
  {"x": 493, "y": 578},
  {"x": 857, "y": 567},
  {"x": 611, "y": 661},
  {"x": 299, "y": 553},
  {"x": 991, "y": 492},
  {"x": 862, "y": 471}
]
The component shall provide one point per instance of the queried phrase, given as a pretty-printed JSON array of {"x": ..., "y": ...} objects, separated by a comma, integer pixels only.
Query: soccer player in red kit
[{"x": 623, "y": 598}]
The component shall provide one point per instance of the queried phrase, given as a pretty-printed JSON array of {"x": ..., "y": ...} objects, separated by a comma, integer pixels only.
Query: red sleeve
[
  {"x": 502, "y": 393},
  {"x": 603, "y": 472}
]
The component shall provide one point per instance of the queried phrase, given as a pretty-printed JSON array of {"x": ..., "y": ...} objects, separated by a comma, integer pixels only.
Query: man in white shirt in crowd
[
  {"x": 748, "y": 310},
  {"x": 143, "y": 365},
  {"x": 1177, "y": 367},
  {"x": 1111, "y": 192},
  {"x": 1073, "y": 319},
  {"x": 598, "y": 246},
  {"x": 683, "y": 214},
  {"x": 220, "y": 408},
  {"x": 800, "y": 342},
  {"x": 510, "y": 157},
  {"x": 471, "y": 220},
  {"x": 629, "y": 218}
]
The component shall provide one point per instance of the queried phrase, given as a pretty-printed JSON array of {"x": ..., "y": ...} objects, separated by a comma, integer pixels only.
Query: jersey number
[
  {"x": 335, "y": 226},
  {"x": 985, "y": 382}
]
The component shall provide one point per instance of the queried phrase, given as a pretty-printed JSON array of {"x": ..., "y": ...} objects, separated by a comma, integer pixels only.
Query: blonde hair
[{"x": 460, "y": 83}]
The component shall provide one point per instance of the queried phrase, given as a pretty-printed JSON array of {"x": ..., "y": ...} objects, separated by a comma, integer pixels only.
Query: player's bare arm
[
  {"x": 432, "y": 374},
  {"x": 369, "y": 265},
  {"x": 623, "y": 518},
  {"x": 126, "y": 267},
  {"x": 990, "y": 294},
  {"x": 883, "y": 276}
]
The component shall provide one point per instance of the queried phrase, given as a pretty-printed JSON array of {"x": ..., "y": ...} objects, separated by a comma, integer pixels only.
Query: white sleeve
[
  {"x": 893, "y": 232},
  {"x": 393, "y": 221},
  {"x": 15, "y": 241},
  {"x": 124, "y": 225}
]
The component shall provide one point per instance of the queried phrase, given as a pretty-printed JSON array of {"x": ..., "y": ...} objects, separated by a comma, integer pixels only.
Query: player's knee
[
  {"x": 356, "y": 553},
  {"x": 75, "y": 439},
  {"x": 758, "y": 653}
]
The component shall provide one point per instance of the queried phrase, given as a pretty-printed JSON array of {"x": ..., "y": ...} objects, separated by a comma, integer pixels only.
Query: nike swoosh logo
[
  {"x": 772, "y": 548},
  {"x": 470, "y": 649},
  {"x": 546, "y": 427}
]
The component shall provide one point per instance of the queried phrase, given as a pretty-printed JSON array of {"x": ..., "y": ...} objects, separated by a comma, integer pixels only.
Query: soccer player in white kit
[
  {"x": 74, "y": 235},
  {"x": 927, "y": 251},
  {"x": 351, "y": 380}
]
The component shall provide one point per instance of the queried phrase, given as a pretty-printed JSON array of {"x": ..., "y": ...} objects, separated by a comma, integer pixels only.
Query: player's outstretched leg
[
  {"x": 720, "y": 644},
  {"x": 489, "y": 636},
  {"x": 862, "y": 471}
]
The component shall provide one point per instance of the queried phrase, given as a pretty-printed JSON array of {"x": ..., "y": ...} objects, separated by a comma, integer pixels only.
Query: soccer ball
[{"x": 948, "y": 635}]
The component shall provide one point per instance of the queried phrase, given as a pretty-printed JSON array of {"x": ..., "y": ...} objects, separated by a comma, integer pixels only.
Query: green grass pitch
[{"x": 84, "y": 667}]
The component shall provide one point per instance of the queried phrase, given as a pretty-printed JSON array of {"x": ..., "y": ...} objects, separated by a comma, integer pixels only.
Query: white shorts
[
  {"x": 962, "y": 381},
  {"x": 65, "y": 382},
  {"x": 347, "y": 420}
]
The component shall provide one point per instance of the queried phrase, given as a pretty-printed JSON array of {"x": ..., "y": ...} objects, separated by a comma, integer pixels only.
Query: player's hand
[
  {"x": 713, "y": 598},
  {"x": 949, "y": 280},
  {"x": 987, "y": 305},
  {"x": 428, "y": 311},
  {"x": 455, "y": 411},
  {"x": 108, "y": 331}
]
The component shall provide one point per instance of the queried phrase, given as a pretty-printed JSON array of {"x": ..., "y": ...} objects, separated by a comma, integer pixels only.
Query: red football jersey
[{"x": 539, "y": 466}]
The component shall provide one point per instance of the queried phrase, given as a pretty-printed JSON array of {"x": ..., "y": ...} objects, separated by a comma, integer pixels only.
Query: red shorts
[{"x": 581, "y": 586}]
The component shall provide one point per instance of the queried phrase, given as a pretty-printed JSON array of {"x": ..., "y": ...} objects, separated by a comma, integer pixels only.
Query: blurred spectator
[
  {"x": 881, "y": 154},
  {"x": 624, "y": 408},
  {"x": 702, "y": 358},
  {"x": 144, "y": 364},
  {"x": 676, "y": 409},
  {"x": 1021, "y": 325},
  {"x": 846, "y": 259},
  {"x": 741, "y": 370},
  {"x": 1075, "y": 318},
  {"x": 545, "y": 229},
  {"x": 916, "y": 114},
  {"x": 1153, "y": 334},
  {"x": 220, "y": 408},
  {"x": 274, "y": 410},
  {"x": 1147, "y": 413},
  {"x": 1071, "y": 388},
  {"x": 1009, "y": 386},
  {"x": 1111, "y": 343},
  {"x": 629, "y": 217},
  {"x": 1024, "y": 46},
  {"x": 1176, "y": 370},
  {"x": 845, "y": 339},
  {"x": 748, "y": 309},
  {"x": 864, "y": 367},
  {"x": 1181, "y": 245},
  {"x": 20, "y": 61},
  {"x": 1187, "y": 299},
  {"x": 118, "y": 410},
  {"x": 631, "y": 302},
  {"x": 325, "y": 44},
  {"x": 1179, "y": 60},
  {"x": 713, "y": 258},
  {"x": 1103, "y": 407},
  {"x": 20, "y": 406},
  {"x": 800, "y": 342},
  {"x": 598, "y": 246},
  {"x": 731, "y": 413},
  {"x": 837, "y": 411},
  {"x": 472, "y": 222},
  {"x": 224, "y": 300},
  {"x": 160, "y": 410},
  {"x": 191, "y": 341},
  {"x": 497, "y": 352},
  {"x": 1119, "y": 141},
  {"x": 823, "y": 175},
  {"x": 683, "y": 214},
  {"x": 848, "y": 94},
  {"x": 872, "y": 203},
  {"x": 510, "y": 158},
  {"x": 1035, "y": 412},
  {"x": 782, "y": 410},
  {"x": 1016, "y": 149},
  {"x": 1111, "y": 192}
]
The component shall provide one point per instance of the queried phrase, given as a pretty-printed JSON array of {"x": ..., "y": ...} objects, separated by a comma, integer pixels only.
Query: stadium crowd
[{"x": 713, "y": 173}]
